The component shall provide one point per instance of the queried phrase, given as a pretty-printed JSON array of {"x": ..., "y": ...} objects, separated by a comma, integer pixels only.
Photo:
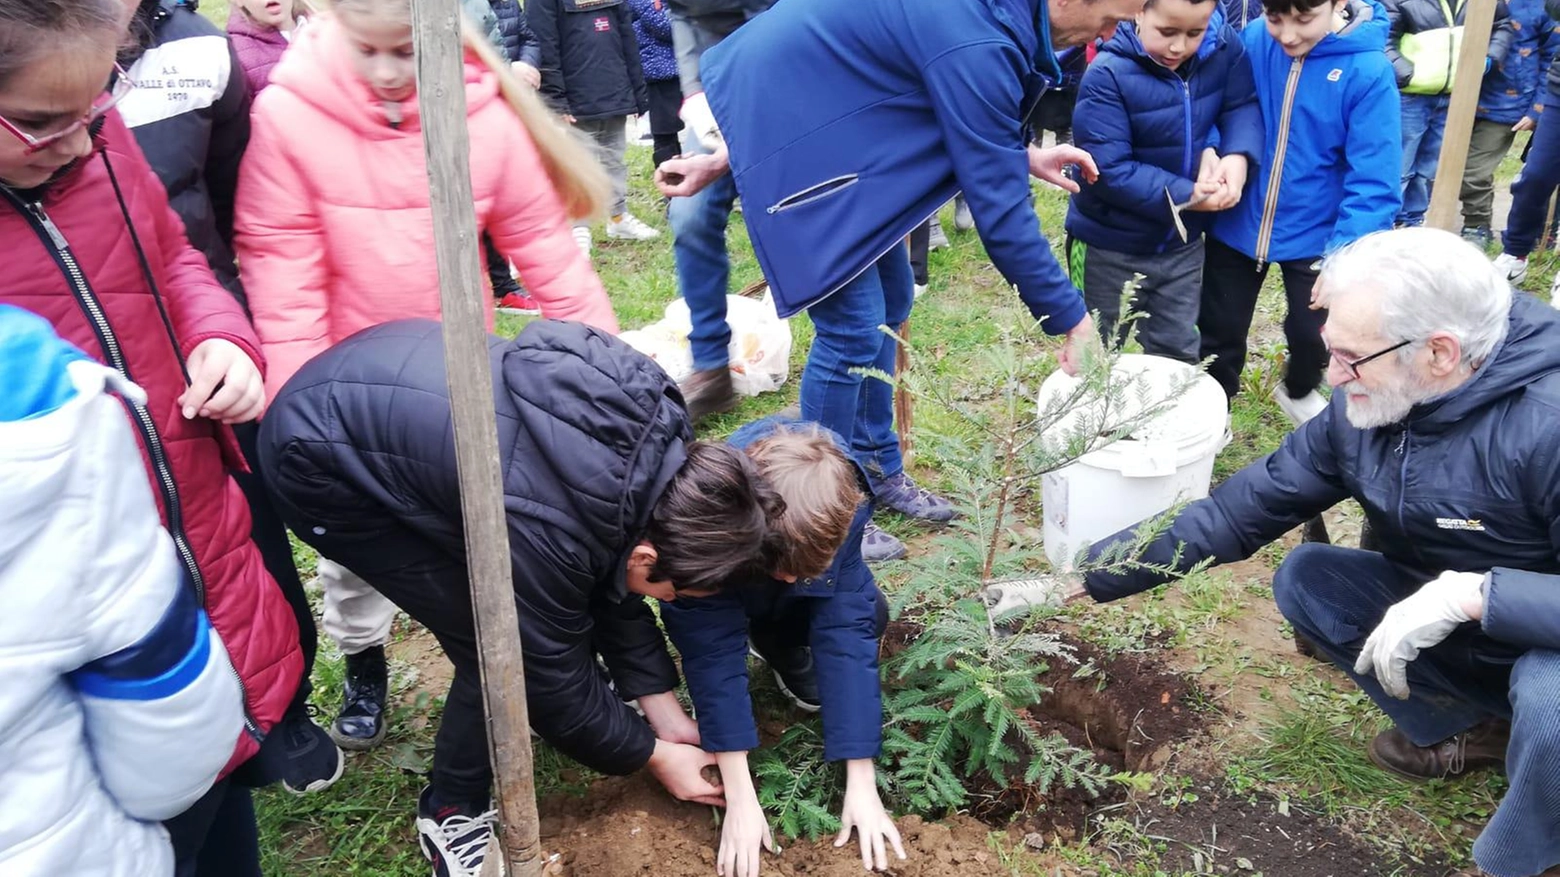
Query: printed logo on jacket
[{"x": 177, "y": 78}]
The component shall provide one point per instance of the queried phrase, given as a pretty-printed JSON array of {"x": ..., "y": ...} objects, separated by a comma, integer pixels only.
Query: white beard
[{"x": 1383, "y": 406}]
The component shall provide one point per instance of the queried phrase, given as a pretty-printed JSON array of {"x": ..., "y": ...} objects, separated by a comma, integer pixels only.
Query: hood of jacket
[
  {"x": 318, "y": 70},
  {"x": 1529, "y": 352}
]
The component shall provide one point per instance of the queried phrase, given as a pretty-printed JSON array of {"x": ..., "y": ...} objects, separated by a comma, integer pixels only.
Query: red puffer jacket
[{"x": 72, "y": 258}]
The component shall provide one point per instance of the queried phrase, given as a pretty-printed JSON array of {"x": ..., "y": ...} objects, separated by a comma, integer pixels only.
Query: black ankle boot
[{"x": 361, "y": 724}]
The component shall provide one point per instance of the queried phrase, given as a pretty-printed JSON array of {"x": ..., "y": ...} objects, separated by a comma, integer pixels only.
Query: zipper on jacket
[
  {"x": 139, "y": 415},
  {"x": 1186, "y": 104},
  {"x": 1276, "y": 173},
  {"x": 1402, "y": 451}
]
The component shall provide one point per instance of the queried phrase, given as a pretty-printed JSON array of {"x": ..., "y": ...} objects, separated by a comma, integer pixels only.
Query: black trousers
[
  {"x": 665, "y": 119},
  {"x": 1230, "y": 286},
  {"x": 217, "y": 836},
  {"x": 498, "y": 269},
  {"x": 427, "y": 579},
  {"x": 920, "y": 246},
  {"x": 270, "y": 536}
]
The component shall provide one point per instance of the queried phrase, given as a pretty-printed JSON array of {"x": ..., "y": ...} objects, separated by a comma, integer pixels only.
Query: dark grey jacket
[{"x": 585, "y": 455}]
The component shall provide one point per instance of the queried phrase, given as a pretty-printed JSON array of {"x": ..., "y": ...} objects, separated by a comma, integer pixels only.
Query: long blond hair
[{"x": 568, "y": 156}]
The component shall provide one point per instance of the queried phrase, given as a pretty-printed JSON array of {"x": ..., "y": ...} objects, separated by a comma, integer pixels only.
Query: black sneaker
[
  {"x": 361, "y": 724},
  {"x": 313, "y": 762},
  {"x": 455, "y": 838},
  {"x": 794, "y": 672}
]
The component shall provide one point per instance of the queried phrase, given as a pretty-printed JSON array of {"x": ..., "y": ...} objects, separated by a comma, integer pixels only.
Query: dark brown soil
[{"x": 1215, "y": 834}]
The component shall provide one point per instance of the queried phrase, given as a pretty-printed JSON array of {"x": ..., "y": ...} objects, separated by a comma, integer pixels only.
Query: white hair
[{"x": 1428, "y": 281}]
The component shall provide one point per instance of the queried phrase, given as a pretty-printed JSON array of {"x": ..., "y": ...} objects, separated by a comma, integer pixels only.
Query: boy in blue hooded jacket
[
  {"x": 816, "y": 623},
  {"x": 1147, "y": 108},
  {"x": 1329, "y": 174}
]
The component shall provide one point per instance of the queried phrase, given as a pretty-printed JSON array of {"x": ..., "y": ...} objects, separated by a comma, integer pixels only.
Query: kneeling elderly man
[{"x": 1444, "y": 425}]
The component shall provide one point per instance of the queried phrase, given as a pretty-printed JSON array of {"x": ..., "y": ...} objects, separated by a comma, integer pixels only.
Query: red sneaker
[{"x": 515, "y": 303}]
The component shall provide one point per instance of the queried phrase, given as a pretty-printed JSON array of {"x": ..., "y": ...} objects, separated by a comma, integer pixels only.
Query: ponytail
[{"x": 569, "y": 158}]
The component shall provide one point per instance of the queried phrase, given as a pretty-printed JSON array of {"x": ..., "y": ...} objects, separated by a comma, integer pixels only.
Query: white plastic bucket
[{"x": 1166, "y": 460}]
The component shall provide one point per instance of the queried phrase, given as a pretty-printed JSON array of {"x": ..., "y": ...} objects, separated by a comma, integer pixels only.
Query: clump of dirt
[
  {"x": 1204, "y": 830},
  {"x": 1128, "y": 711},
  {"x": 628, "y": 827}
]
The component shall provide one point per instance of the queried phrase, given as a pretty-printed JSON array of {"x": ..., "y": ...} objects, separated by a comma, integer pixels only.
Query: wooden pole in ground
[
  {"x": 902, "y": 414},
  {"x": 1477, "y": 22},
  {"x": 441, "y": 100}
]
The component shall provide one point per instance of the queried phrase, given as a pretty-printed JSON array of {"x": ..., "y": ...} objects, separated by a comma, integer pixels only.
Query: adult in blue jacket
[
  {"x": 888, "y": 109},
  {"x": 1442, "y": 424},
  {"x": 1509, "y": 102},
  {"x": 820, "y": 636}
]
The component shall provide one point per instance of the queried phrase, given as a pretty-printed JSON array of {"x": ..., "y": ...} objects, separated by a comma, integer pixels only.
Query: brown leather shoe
[
  {"x": 708, "y": 392},
  {"x": 1482, "y": 747}
]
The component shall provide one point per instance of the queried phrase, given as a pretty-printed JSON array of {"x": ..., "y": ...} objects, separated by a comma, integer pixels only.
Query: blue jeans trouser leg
[
  {"x": 1531, "y": 189},
  {"x": 703, "y": 267},
  {"x": 1424, "y": 124},
  {"x": 847, "y": 340},
  {"x": 1523, "y": 837},
  {"x": 1335, "y": 597}
]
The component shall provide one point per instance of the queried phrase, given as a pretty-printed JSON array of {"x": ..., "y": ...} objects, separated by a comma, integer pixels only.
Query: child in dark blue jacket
[
  {"x": 816, "y": 623},
  {"x": 1509, "y": 102},
  {"x": 1328, "y": 175},
  {"x": 1147, "y": 108}
]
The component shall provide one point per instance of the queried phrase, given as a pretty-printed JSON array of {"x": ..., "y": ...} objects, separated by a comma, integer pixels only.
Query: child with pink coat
[{"x": 333, "y": 228}]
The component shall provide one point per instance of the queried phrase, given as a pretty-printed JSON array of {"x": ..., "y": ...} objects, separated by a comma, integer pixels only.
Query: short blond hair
[{"x": 818, "y": 485}]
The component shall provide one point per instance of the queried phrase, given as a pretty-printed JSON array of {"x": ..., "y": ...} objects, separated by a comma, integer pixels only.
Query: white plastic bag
[{"x": 760, "y": 350}]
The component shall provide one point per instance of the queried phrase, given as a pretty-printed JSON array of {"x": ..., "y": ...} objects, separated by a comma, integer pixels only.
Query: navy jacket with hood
[
  {"x": 519, "y": 44},
  {"x": 1467, "y": 482},
  {"x": 1333, "y": 127},
  {"x": 711, "y": 635},
  {"x": 1146, "y": 127},
  {"x": 361, "y": 436},
  {"x": 888, "y": 109}
]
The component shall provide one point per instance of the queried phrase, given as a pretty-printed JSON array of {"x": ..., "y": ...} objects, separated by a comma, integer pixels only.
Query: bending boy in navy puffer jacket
[{"x": 1148, "y": 111}]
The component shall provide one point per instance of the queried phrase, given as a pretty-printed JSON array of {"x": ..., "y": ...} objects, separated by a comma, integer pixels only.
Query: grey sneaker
[
  {"x": 878, "y": 545},
  {"x": 962, "y": 220},
  {"x": 903, "y": 495},
  {"x": 937, "y": 238}
]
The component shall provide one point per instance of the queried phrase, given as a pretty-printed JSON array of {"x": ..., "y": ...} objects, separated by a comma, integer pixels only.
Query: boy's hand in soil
[
  {"x": 667, "y": 719},
  {"x": 745, "y": 829},
  {"x": 224, "y": 384},
  {"x": 679, "y": 767},
  {"x": 863, "y": 811}
]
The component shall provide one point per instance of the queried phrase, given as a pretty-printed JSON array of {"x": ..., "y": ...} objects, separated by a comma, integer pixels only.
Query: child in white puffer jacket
[{"x": 119, "y": 705}]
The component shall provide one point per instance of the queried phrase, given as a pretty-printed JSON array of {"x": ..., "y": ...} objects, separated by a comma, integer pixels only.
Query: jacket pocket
[{"x": 816, "y": 192}]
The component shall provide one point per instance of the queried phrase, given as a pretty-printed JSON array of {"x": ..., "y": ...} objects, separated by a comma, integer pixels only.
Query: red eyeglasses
[{"x": 115, "y": 92}]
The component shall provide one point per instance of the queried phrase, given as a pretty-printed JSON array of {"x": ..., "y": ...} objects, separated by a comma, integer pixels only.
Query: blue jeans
[
  {"x": 703, "y": 268},
  {"x": 1424, "y": 123},
  {"x": 1531, "y": 189},
  {"x": 1336, "y": 596},
  {"x": 847, "y": 340}
]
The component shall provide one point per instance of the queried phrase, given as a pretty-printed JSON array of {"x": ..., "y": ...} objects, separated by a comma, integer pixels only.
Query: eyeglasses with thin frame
[
  {"x": 1353, "y": 365},
  {"x": 112, "y": 95}
]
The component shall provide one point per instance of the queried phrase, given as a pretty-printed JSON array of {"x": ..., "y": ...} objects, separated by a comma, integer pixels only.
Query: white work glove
[
  {"x": 1417, "y": 622},
  {"x": 700, "y": 120}
]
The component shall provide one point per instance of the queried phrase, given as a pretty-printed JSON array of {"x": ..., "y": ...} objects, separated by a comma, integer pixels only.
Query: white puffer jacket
[{"x": 118, "y": 705}]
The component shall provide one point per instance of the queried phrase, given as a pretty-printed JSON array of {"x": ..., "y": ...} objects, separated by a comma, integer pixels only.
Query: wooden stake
[
  {"x": 441, "y": 100},
  {"x": 1477, "y": 22},
  {"x": 902, "y": 414}
]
